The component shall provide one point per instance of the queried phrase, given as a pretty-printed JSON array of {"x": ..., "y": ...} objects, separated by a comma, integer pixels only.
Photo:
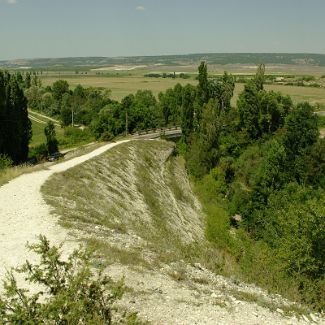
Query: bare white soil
[{"x": 24, "y": 214}]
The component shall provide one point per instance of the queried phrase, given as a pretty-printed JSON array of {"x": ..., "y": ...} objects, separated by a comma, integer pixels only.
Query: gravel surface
[{"x": 24, "y": 214}]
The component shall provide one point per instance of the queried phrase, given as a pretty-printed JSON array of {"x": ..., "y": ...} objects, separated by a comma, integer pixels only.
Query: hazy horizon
[
  {"x": 168, "y": 54},
  {"x": 80, "y": 28}
]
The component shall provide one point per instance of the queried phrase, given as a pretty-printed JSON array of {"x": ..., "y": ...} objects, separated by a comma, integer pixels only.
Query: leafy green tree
[
  {"x": 248, "y": 107},
  {"x": 203, "y": 152},
  {"x": 260, "y": 77},
  {"x": 28, "y": 81},
  {"x": 189, "y": 95},
  {"x": 34, "y": 96},
  {"x": 202, "y": 88},
  {"x": 222, "y": 91},
  {"x": 51, "y": 141},
  {"x": 46, "y": 103},
  {"x": 301, "y": 129},
  {"x": 168, "y": 104},
  {"x": 59, "y": 88}
]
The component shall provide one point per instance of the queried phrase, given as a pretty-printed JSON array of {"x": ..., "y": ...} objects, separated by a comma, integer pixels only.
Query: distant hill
[{"x": 172, "y": 60}]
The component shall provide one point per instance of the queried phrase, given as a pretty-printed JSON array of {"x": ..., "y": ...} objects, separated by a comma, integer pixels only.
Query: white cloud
[
  {"x": 11, "y": 2},
  {"x": 139, "y": 8}
]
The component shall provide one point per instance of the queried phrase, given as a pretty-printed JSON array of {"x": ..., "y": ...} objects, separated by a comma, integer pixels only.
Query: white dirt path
[{"x": 24, "y": 214}]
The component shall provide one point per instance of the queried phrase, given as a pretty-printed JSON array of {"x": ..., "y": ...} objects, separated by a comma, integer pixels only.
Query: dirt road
[{"x": 24, "y": 214}]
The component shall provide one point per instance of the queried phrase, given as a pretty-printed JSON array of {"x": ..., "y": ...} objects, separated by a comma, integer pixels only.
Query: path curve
[{"x": 24, "y": 214}]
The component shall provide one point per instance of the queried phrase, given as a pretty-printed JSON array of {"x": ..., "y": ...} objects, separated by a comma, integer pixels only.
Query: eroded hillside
[{"x": 134, "y": 204}]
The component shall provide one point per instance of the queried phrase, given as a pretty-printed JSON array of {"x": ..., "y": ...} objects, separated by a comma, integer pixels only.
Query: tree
[
  {"x": 59, "y": 88},
  {"x": 301, "y": 129},
  {"x": 260, "y": 77},
  {"x": 188, "y": 98},
  {"x": 34, "y": 97},
  {"x": 248, "y": 107},
  {"x": 203, "y": 150},
  {"x": 202, "y": 88},
  {"x": 15, "y": 126},
  {"x": 222, "y": 91},
  {"x": 51, "y": 141}
]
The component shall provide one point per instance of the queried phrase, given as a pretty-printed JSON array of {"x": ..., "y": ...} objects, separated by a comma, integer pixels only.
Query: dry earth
[
  {"x": 24, "y": 214},
  {"x": 136, "y": 235}
]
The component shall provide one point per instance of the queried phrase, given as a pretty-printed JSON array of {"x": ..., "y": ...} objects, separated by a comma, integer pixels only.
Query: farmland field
[
  {"x": 122, "y": 86},
  {"x": 298, "y": 94}
]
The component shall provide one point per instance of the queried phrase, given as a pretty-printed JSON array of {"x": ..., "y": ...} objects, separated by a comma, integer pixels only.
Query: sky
[{"x": 70, "y": 28}]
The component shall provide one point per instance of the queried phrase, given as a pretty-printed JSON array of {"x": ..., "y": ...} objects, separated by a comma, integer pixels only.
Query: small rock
[
  {"x": 305, "y": 318},
  {"x": 214, "y": 295},
  {"x": 280, "y": 311},
  {"x": 314, "y": 318},
  {"x": 255, "y": 314},
  {"x": 199, "y": 266}
]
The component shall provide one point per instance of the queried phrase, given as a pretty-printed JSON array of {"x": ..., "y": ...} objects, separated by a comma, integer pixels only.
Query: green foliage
[
  {"x": 301, "y": 129},
  {"x": 59, "y": 88},
  {"x": 266, "y": 163},
  {"x": 187, "y": 122},
  {"x": 15, "y": 126},
  {"x": 262, "y": 112},
  {"x": 321, "y": 121},
  {"x": 51, "y": 141},
  {"x": 202, "y": 154},
  {"x": 40, "y": 151},
  {"x": 69, "y": 292},
  {"x": 222, "y": 91},
  {"x": 5, "y": 161},
  {"x": 260, "y": 77},
  {"x": 203, "y": 86}
]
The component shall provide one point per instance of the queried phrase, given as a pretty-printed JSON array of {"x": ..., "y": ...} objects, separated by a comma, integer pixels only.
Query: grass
[
  {"x": 120, "y": 86},
  {"x": 321, "y": 121},
  {"x": 288, "y": 310},
  {"x": 38, "y": 124},
  {"x": 10, "y": 173},
  {"x": 67, "y": 137},
  {"x": 298, "y": 94},
  {"x": 130, "y": 199}
]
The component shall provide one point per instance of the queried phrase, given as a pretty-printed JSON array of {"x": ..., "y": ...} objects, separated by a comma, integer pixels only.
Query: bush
[
  {"x": 107, "y": 136},
  {"x": 69, "y": 292},
  {"x": 76, "y": 135},
  {"x": 5, "y": 161},
  {"x": 40, "y": 151}
]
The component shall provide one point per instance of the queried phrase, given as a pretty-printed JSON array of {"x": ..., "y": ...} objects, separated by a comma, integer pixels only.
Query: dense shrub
[{"x": 68, "y": 291}]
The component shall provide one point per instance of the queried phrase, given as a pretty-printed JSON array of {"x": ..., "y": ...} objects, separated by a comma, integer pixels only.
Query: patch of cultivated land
[
  {"x": 120, "y": 86},
  {"x": 135, "y": 206},
  {"x": 123, "y": 86}
]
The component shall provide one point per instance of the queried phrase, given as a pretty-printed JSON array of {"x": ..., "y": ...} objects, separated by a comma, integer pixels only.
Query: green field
[
  {"x": 124, "y": 85},
  {"x": 67, "y": 137},
  {"x": 38, "y": 125},
  {"x": 120, "y": 86},
  {"x": 298, "y": 94}
]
